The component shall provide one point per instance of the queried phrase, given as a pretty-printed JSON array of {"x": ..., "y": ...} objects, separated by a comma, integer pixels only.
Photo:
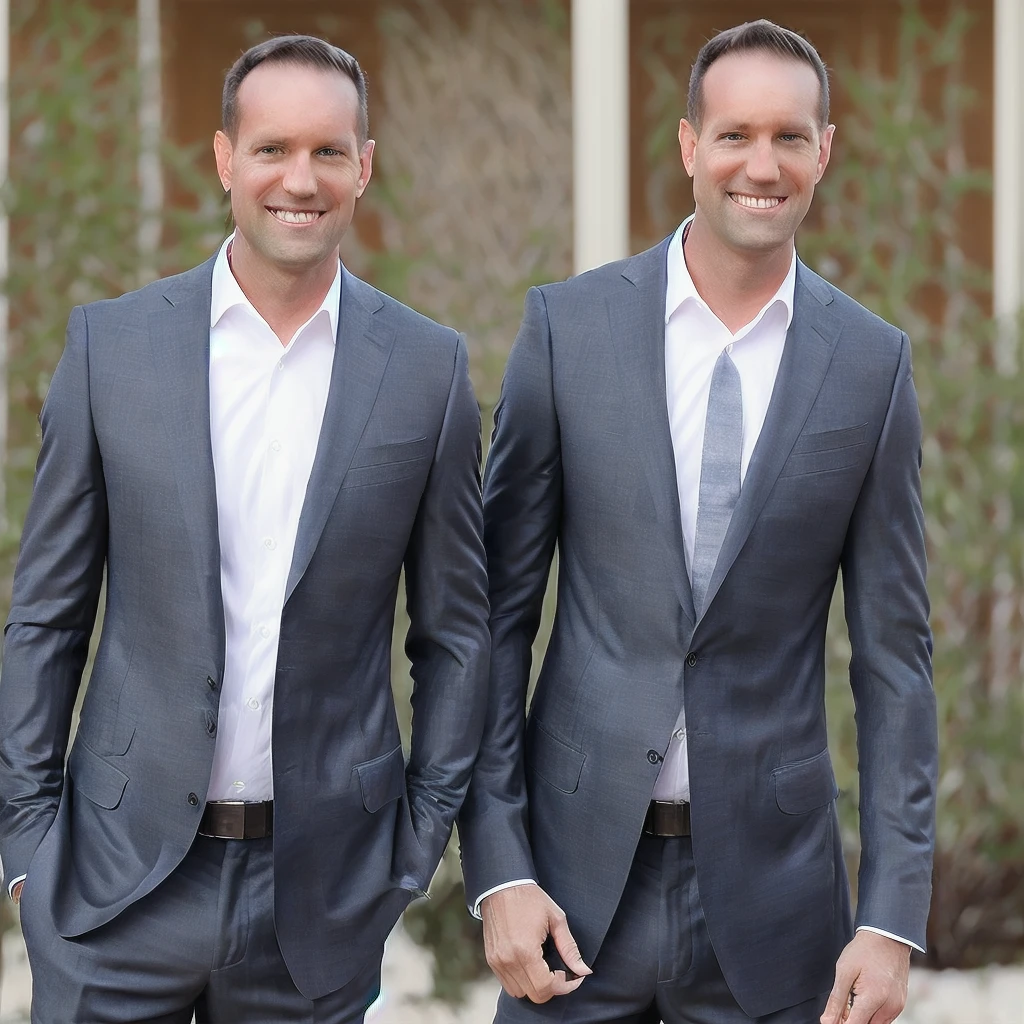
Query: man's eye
[
  {"x": 328, "y": 151},
  {"x": 790, "y": 137},
  {"x": 732, "y": 137},
  {"x": 268, "y": 149}
]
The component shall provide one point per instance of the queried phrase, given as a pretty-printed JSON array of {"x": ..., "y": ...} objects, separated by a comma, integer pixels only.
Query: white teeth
[
  {"x": 295, "y": 216},
  {"x": 755, "y": 202}
]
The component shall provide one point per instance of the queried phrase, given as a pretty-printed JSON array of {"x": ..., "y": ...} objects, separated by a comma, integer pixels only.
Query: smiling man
[
  {"x": 708, "y": 433},
  {"x": 251, "y": 453}
]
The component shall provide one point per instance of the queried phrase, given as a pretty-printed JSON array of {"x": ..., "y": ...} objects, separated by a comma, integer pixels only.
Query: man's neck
[
  {"x": 735, "y": 286},
  {"x": 286, "y": 301}
]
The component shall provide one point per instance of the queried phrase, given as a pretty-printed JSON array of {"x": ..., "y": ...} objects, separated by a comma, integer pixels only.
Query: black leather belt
[
  {"x": 233, "y": 819},
  {"x": 667, "y": 819}
]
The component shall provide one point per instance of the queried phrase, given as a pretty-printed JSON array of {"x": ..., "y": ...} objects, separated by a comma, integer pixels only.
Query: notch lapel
[
  {"x": 179, "y": 337},
  {"x": 810, "y": 345},
  {"x": 361, "y": 354},
  {"x": 636, "y": 315}
]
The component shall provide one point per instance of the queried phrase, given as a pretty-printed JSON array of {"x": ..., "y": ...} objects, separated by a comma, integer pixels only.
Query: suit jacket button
[
  {"x": 193, "y": 800},
  {"x": 653, "y": 756},
  {"x": 691, "y": 659},
  {"x": 211, "y": 682}
]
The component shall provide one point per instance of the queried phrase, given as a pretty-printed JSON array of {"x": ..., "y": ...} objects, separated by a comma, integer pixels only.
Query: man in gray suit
[
  {"x": 252, "y": 451},
  {"x": 707, "y": 432}
]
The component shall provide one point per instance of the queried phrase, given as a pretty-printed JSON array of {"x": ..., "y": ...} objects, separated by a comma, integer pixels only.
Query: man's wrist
[
  {"x": 889, "y": 935},
  {"x": 475, "y": 910}
]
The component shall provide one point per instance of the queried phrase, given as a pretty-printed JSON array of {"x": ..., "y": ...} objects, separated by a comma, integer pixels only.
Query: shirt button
[
  {"x": 275, "y": 446},
  {"x": 691, "y": 659},
  {"x": 253, "y": 703},
  {"x": 239, "y": 785},
  {"x": 193, "y": 800},
  {"x": 264, "y": 632},
  {"x": 728, "y": 348},
  {"x": 679, "y": 734},
  {"x": 280, "y": 364},
  {"x": 653, "y": 756},
  {"x": 269, "y": 543}
]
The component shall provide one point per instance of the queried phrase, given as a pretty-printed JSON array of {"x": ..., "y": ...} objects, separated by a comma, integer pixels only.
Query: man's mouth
[
  {"x": 295, "y": 216},
  {"x": 756, "y": 202}
]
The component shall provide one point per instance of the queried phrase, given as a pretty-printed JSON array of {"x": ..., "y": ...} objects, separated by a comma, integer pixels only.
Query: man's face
[
  {"x": 760, "y": 151},
  {"x": 295, "y": 167}
]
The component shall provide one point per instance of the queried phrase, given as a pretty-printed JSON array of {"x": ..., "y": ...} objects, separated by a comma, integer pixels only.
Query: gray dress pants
[
  {"x": 656, "y": 963},
  {"x": 202, "y": 943}
]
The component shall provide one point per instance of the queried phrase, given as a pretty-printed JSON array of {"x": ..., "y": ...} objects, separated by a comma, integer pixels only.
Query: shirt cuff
[
  {"x": 490, "y": 892},
  {"x": 889, "y": 935},
  {"x": 14, "y": 882}
]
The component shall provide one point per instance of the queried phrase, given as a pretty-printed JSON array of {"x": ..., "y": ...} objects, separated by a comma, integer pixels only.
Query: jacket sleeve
[
  {"x": 884, "y": 567},
  {"x": 56, "y": 591},
  {"x": 448, "y": 642},
  {"x": 522, "y": 509}
]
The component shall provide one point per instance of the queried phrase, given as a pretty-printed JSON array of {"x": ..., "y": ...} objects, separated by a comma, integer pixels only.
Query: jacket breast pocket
[
  {"x": 804, "y": 786},
  {"x": 96, "y": 778},
  {"x": 382, "y": 780},
  {"x": 388, "y": 463},
  {"x": 827, "y": 451},
  {"x": 555, "y": 761}
]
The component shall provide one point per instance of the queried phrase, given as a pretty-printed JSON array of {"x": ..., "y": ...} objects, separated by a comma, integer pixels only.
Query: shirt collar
[
  {"x": 227, "y": 293},
  {"x": 681, "y": 287}
]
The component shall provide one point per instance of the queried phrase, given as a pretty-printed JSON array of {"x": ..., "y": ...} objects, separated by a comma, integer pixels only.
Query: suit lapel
[
  {"x": 636, "y": 314},
  {"x": 180, "y": 341},
  {"x": 810, "y": 345},
  {"x": 361, "y": 356}
]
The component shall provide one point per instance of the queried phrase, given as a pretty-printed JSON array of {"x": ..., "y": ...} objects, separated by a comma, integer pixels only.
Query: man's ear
[
  {"x": 222, "y": 150},
  {"x": 365, "y": 165},
  {"x": 687, "y": 145}
]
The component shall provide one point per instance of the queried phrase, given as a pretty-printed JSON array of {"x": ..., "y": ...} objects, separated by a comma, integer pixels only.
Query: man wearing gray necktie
[{"x": 708, "y": 433}]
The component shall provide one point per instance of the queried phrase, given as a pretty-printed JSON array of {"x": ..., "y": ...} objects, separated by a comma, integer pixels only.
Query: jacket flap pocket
[
  {"x": 805, "y": 785},
  {"x": 830, "y": 440},
  {"x": 395, "y": 451},
  {"x": 95, "y": 777},
  {"x": 554, "y": 760},
  {"x": 382, "y": 779}
]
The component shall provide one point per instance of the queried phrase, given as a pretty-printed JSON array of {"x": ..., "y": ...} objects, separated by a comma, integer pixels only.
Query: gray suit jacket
[
  {"x": 582, "y": 460},
  {"x": 125, "y": 483}
]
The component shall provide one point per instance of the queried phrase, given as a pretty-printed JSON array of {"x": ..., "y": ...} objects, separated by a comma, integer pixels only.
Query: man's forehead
[
  {"x": 779, "y": 79},
  {"x": 274, "y": 91}
]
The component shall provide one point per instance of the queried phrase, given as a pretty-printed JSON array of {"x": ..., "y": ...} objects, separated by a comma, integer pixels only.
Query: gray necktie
[{"x": 719, "y": 474}]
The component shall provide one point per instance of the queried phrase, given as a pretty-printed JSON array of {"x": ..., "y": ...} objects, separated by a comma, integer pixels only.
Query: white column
[
  {"x": 5, "y": 128},
  {"x": 600, "y": 131},
  {"x": 1008, "y": 173},
  {"x": 150, "y": 171}
]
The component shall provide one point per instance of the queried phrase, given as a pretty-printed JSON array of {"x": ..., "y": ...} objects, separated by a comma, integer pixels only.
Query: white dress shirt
[
  {"x": 267, "y": 404},
  {"x": 694, "y": 339}
]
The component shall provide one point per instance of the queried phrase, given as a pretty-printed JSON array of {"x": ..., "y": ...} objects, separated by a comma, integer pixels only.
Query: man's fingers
[
  {"x": 566, "y": 944},
  {"x": 865, "y": 1007},
  {"x": 839, "y": 997},
  {"x": 540, "y": 980}
]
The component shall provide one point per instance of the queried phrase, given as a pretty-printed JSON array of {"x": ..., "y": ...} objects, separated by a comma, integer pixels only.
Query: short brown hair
[
  {"x": 306, "y": 51},
  {"x": 761, "y": 35}
]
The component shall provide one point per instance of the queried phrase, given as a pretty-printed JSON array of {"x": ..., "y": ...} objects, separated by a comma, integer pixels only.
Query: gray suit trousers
[
  {"x": 656, "y": 963},
  {"x": 203, "y": 943}
]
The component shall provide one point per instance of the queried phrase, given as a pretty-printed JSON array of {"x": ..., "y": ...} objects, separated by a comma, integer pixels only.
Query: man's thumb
[{"x": 566, "y": 945}]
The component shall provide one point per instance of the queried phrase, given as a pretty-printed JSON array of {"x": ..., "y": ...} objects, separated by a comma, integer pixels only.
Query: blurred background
[{"x": 519, "y": 141}]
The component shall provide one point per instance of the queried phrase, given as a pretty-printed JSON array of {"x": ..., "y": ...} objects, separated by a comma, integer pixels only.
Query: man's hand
[
  {"x": 872, "y": 971},
  {"x": 516, "y": 923},
  {"x": 16, "y": 891}
]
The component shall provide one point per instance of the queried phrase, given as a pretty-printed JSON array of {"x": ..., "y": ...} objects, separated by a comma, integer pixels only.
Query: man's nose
[
  {"x": 762, "y": 165},
  {"x": 299, "y": 179}
]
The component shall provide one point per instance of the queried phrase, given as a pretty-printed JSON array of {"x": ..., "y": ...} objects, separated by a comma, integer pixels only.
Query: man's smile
[
  {"x": 756, "y": 202},
  {"x": 295, "y": 216}
]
